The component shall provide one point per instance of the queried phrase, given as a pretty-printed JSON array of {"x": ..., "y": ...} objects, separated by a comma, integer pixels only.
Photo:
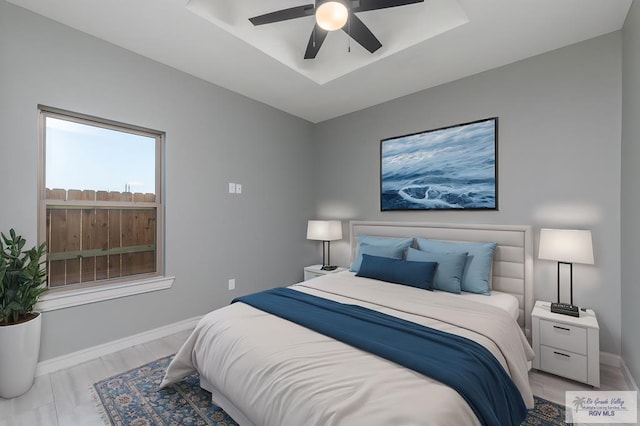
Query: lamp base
[
  {"x": 328, "y": 268},
  {"x": 565, "y": 309}
]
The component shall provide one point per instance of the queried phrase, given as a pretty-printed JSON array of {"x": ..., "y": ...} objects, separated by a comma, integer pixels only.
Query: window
[{"x": 100, "y": 200}]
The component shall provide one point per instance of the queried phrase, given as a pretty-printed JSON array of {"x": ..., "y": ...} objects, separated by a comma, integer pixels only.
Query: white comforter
[{"x": 278, "y": 373}]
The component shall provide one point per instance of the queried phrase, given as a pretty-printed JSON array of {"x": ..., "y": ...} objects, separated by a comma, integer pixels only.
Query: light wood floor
[{"x": 63, "y": 397}]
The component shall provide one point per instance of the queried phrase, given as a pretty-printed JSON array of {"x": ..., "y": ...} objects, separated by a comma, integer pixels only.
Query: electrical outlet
[
  {"x": 232, "y": 284},
  {"x": 238, "y": 188}
]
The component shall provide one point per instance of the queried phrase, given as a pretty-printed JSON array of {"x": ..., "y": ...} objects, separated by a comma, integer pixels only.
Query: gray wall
[
  {"x": 631, "y": 190},
  {"x": 213, "y": 137},
  {"x": 559, "y": 166},
  {"x": 559, "y": 159}
]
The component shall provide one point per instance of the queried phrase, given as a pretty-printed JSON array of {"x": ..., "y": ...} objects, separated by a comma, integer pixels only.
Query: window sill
[{"x": 67, "y": 299}]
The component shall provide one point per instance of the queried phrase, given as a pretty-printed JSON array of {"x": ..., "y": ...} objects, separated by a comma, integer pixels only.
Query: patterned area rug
[
  {"x": 133, "y": 398},
  {"x": 545, "y": 413}
]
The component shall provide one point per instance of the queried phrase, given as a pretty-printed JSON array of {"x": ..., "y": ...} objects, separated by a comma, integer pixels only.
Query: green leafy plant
[{"x": 23, "y": 278}]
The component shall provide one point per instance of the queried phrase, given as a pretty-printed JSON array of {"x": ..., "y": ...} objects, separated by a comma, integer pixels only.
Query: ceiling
[{"x": 424, "y": 44}]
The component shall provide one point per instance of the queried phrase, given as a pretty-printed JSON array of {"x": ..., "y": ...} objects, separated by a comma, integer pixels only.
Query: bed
[{"x": 266, "y": 370}]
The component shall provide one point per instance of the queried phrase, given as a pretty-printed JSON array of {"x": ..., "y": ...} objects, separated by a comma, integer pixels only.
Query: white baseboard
[
  {"x": 84, "y": 355},
  {"x": 629, "y": 378},
  {"x": 613, "y": 360},
  {"x": 610, "y": 359}
]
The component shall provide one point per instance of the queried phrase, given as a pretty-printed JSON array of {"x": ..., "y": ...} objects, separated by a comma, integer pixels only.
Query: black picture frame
[{"x": 448, "y": 168}]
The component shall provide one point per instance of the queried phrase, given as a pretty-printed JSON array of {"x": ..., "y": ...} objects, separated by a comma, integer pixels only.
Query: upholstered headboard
[{"x": 512, "y": 262}]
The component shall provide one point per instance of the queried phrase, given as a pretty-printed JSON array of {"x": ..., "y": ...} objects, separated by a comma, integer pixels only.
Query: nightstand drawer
[
  {"x": 563, "y": 363},
  {"x": 563, "y": 336}
]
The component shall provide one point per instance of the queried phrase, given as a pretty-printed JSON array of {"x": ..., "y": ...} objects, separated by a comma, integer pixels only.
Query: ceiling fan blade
[
  {"x": 283, "y": 15},
  {"x": 361, "y": 33},
  {"x": 364, "y": 5},
  {"x": 315, "y": 42}
]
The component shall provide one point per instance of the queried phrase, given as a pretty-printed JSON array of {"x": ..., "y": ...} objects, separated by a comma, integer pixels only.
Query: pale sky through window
[{"x": 80, "y": 156}]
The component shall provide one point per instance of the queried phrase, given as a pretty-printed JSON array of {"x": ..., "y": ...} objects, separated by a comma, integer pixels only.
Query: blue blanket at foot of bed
[{"x": 458, "y": 362}]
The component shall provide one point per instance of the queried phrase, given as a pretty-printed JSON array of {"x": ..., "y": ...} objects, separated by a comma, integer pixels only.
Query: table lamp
[
  {"x": 325, "y": 231},
  {"x": 566, "y": 246}
]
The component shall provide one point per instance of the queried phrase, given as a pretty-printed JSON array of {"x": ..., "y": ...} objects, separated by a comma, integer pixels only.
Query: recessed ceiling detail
[
  {"x": 461, "y": 38},
  {"x": 397, "y": 29}
]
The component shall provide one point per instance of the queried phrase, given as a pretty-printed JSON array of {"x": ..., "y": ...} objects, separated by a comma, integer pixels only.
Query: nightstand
[
  {"x": 314, "y": 271},
  {"x": 566, "y": 346}
]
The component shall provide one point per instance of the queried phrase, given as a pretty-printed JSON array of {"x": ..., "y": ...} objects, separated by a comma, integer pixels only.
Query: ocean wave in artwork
[{"x": 437, "y": 197}]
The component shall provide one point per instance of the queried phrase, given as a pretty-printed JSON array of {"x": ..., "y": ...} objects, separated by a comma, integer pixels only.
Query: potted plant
[{"x": 22, "y": 280}]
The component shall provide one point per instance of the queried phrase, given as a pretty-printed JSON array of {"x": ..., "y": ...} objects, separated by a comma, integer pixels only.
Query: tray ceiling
[{"x": 424, "y": 44}]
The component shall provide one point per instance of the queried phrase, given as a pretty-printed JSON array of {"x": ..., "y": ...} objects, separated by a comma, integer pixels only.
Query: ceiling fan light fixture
[{"x": 331, "y": 15}]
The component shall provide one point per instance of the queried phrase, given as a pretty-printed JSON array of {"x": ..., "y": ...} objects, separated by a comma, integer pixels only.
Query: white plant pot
[{"x": 19, "y": 351}]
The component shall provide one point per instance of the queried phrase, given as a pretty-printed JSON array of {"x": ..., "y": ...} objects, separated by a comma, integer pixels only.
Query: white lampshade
[
  {"x": 566, "y": 245},
  {"x": 331, "y": 15},
  {"x": 324, "y": 230}
]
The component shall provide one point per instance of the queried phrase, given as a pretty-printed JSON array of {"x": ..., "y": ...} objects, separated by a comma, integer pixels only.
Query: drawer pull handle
[
  {"x": 562, "y": 328},
  {"x": 560, "y": 353}
]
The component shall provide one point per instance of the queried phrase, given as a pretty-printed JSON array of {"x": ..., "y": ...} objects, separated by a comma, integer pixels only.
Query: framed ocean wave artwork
[{"x": 450, "y": 168}]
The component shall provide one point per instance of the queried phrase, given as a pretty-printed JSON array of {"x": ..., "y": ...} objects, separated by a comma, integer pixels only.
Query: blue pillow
[
  {"x": 448, "y": 277},
  {"x": 386, "y": 247},
  {"x": 475, "y": 278},
  {"x": 414, "y": 274}
]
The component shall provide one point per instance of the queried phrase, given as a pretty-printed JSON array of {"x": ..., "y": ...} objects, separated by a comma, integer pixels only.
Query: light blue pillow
[
  {"x": 373, "y": 250},
  {"x": 448, "y": 275},
  {"x": 385, "y": 247},
  {"x": 414, "y": 274},
  {"x": 476, "y": 276}
]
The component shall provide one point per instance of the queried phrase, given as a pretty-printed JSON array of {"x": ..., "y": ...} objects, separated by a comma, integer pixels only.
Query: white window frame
[{"x": 95, "y": 291}]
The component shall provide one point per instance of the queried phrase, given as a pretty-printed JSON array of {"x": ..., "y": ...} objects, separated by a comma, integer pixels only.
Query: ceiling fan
[{"x": 333, "y": 15}]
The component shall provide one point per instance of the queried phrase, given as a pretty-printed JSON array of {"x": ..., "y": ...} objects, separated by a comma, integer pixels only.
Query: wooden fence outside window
[{"x": 99, "y": 235}]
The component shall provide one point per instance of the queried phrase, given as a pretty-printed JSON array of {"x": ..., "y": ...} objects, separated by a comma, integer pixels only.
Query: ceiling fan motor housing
[{"x": 331, "y": 15}]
